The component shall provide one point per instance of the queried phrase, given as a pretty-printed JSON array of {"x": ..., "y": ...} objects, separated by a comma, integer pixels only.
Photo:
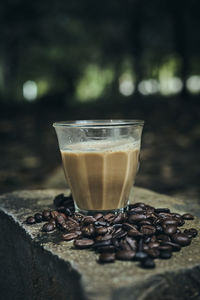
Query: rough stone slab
[{"x": 36, "y": 265}]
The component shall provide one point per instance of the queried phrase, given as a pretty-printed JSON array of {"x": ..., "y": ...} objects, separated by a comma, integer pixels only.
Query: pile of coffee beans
[{"x": 142, "y": 233}]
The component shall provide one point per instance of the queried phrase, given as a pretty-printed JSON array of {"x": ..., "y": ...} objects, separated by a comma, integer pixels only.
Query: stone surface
[{"x": 36, "y": 265}]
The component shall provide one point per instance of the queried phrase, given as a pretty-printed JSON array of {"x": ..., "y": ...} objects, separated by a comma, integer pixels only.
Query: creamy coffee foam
[{"x": 100, "y": 174}]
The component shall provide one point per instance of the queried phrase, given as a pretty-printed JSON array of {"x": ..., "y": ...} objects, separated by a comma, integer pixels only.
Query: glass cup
[{"x": 100, "y": 160}]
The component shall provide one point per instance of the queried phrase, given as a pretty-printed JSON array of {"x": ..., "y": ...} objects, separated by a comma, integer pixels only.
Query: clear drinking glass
[{"x": 100, "y": 160}]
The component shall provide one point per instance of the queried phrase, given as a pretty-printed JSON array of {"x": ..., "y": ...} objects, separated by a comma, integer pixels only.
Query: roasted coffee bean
[
  {"x": 165, "y": 215},
  {"x": 117, "y": 225},
  {"x": 118, "y": 219},
  {"x": 188, "y": 217},
  {"x": 165, "y": 247},
  {"x": 46, "y": 215},
  {"x": 153, "y": 244},
  {"x": 48, "y": 227},
  {"x": 170, "y": 222},
  {"x": 134, "y": 233},
  {"x": 175, "y": 247},
  {"x": 135, "y": 218},
  {"x": 53, "y": 221},
  {"x": 153, "y": 252},
  {"x": 146, "y": 222},
  {"x": 128, "y": 226},
  {"x": 148, "y": 230},
  {"x": 115, "y": 243},
  {"x": 119, "y": 235},
  {"x": 65, "y": 211},
  {"x": 102, "y": 243},
  {"x": 69, "y": 236},
  {"x": 153, "y": 238},
  {"x": 30, "y": 220},
  {"x": 98, "y": 216},
  {"x": 192, "y": 232},
  {"x": 165, "y": 254},
  {"x": 109, "y": 217},
  {"x": 170, "y": 229},
  {"x": 123, "y": 245},
  {"x": 38, "y": 217},
  {"x": 60, "y": 219},
  {"x": 181, "y": 239},
  {"x": 89, "y": 220},
  {"x": 140, "y": 255},
  {"x": 83, "y": 243},
  {"x": 140, "y": 204},
  {"x": 109, "y": 248},
  {"x": 88, "y": 231},
  {"x": 104, "y": 237},
  {"x": 176, "y": 215},
  {"x": 136, "y": 210},
  {"x": 107, "y": 257},
  {"x": 100, "y": 223},
  {"x": 58, "y": 200},
  {"x": 125, "y": 255},
  {"x": 148, "y": 263},
  {"x": 180, "y": 221},
  {"x": 162, "y": 210},
  {"x": 163, "y": 237},
  {"x": 54, "y": 214},
  {"x": 101, "y": 230},
  {"x": 132, "y": 243}
]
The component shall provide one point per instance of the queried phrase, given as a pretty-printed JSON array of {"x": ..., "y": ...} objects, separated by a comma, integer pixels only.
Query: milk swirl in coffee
[{"x": 101, "y": 173}]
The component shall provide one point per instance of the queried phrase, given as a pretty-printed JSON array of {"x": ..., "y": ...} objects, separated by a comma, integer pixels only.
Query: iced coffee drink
[
  {"x": 100, "y": 160},
  {"x": 100, "y": 175}
]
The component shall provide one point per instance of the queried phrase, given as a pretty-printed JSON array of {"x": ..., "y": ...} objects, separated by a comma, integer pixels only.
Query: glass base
[{"x": 104, "y": 212}]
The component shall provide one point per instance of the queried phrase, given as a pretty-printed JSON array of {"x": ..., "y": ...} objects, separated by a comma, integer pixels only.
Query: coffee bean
[
  {"x": 180, "y": 221},
  {"x": 117, "y": 225},
  {"x": 136, "y": 210},
  {"x": 134, "y": 233},
  {"x": 83, "y": 244},
  {"x": 162, "y": 210},
  {"x": 148, "y": 230},
  {"x": 181, "y": 239},
  {"x": 146, "y": 222},
  {"x": 46, "y": 215},
  {"x": 65, "y": 211},
  {"x": 165, "y": 254},
  {"x": 109, "y": 217},
  {"x": 48, "y": 227},
  {"x": 30, "y": 220},
  {"x": 170, "y": 229},
  {"x": 140, "y": 204},
  {"x": 136, "y": 218},
  {"x": 170, "y": 222},
  {"x": 188, "y": 217},
  {"x": 125, "y": 255},
  {"x": 132, "y": 243},
  {"x": 192, "y": 232},
  {"x": 38, "y": 217},
  {"x": 148, "y": 263},
  {"x": 128, "y": 226},
  {"x": 118, "y": 219},
  {"x": 60, "y": 219},
  {"x": 98, "y": 216},
  {"x": 119, "y": 235},
  {"x": 54, "y": 214},
  {"x": 102, "y": 243},
  {"x": 100, "y": 223},
  {"x": 159, "y": 229},
  {"x": 165, "y": 247},
  {"x": 104, "y": 237},
  {"x": 109, "y": 248},
  {"x": 101, "y": 230},
  {"x": 88, "y": 231},
  {"x": 165, "y": 215},
  {"x": 163, "y": 237},
  {"x": 147, "y": 239},
  {"x": 153, "y": 252},
  {"x": 89, "y": 220},
  {"x": 69, "y": 236},
  {"x": 175, "y": 247},
  {"x": 153, "y": 244},
  {"x": 153, "y": 238},
  {"x": 107, "y": 257},
  {"x": 140, "y": 255}
]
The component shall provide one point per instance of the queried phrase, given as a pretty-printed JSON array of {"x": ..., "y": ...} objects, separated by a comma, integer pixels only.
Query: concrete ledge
[{"x": 36, "y": 265}]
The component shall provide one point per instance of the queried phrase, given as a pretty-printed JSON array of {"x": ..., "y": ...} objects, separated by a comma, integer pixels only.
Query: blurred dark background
[{"x": 65, "y": 60}]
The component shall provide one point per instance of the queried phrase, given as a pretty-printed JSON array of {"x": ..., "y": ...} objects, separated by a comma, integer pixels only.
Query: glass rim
[{"x": 99, "y": 123}]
